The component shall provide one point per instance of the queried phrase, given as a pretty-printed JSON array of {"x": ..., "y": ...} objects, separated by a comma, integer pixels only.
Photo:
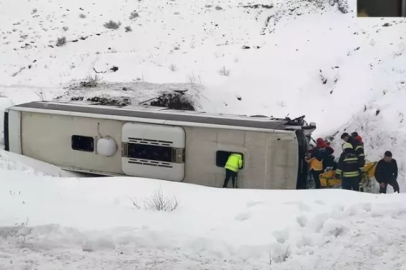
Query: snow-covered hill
[
  {"x": 304, "y": 57},
  {"x": 281, "y": 57}
]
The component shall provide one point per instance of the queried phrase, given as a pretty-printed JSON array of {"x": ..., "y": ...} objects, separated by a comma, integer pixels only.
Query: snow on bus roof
[{"x": 161, "y": 113}]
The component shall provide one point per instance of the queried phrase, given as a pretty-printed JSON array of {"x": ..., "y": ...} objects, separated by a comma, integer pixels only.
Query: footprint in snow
[
  {"x": 302, "y": 220},
  {"x": 319, "y": 202},
  {"x": 251, "y": 204},
  {"x": 281, "y": 236},
  {"x": 367, "y": 207},
  {"x": 304, "y": 207},
  {"x": 243, "y": 216}
]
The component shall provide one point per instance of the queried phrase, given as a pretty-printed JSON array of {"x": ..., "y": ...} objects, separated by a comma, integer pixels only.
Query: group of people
[
  {"x": 350, "y": 164},
  {"x": 349, "y": 168},
  {"x": 320, "y": 159}
]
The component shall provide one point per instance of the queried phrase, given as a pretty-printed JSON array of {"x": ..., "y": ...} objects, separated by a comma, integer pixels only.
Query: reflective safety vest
[
  {"x": 234, "y": 162},
  {"x": 315, "y": 165},
  {"x": 348, "y": 165}
]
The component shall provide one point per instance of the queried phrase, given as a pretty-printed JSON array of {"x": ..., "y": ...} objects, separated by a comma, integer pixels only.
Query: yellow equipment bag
[{"x": 328, "y": 179}]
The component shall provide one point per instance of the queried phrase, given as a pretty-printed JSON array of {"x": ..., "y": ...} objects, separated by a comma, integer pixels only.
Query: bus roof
[{"x": 162, "y": 113}]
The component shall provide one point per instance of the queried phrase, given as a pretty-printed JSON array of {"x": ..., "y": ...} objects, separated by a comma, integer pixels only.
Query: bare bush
[
  {"x": 286, "y": 255},
  {"x": 128, "y": 29},
  {"x": 134, "y": 15},
  {"x": 400, "y": 51},
  {"x": 112, "y": 25},
  {"x": 34, "y": 11},
  {"x": 192, "y": 78},
  {"x": 218, "y": 8},
  {"x": 65, "y": 28},
  {"x": 61, "y": 41},
  {"x": 90, "y": 81},
  {"x": 135, "y": 203},
  {"x": 173, "y": 68},
  {"x": 159, "y": 202},
  {"x": 280, "y": 256},
  {"x": 18, "y": 71},
  {"x": 40, "y": 94},
  {"x": 82, "y": 16},
  {"x": 224, "y": 71}
]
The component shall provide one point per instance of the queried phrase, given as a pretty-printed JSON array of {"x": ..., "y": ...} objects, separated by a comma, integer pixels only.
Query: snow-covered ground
[
  {"x": 304, "y": 57},
  {"x": 70, "y": 223}
]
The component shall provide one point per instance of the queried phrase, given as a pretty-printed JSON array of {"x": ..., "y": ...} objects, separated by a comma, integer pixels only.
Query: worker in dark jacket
[
  {"x": 357, "y": 147},
  {"x": 323, "y": 152},
  {"x": 357, "y": 137},
  {"x": 233, "y": 164},
  {"x": 348, "y": 168},
  {"x": 386, "y": 172}
]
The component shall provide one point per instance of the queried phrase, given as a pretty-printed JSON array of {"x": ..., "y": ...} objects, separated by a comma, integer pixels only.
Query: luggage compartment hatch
[{"x": 153, "y": 151}]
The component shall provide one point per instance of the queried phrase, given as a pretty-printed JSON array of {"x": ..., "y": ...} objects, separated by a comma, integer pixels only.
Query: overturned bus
[{"x": 160, "y": 143}]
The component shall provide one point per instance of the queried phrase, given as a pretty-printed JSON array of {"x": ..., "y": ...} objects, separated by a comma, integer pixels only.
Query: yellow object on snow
[{"x": 328, "y": 179}]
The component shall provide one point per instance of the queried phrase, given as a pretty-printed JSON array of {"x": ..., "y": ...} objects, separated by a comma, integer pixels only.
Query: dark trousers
[
  {"x": 232, "y": 175},
  {"x": 350, "y": 183},
  {"x": 316, "y": 176},
  {"x": 393, "y": 183}
]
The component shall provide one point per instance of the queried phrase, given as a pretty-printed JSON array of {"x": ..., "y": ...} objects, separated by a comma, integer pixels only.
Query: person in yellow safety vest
[
  {"x": 234, "y": 163},
  {"x": 348, "y": 168},
  {"x": 316, "y": 168}
]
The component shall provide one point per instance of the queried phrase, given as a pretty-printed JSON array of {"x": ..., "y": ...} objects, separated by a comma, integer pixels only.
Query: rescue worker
[
  {"x": 323, "y": 152},
  {"x": 386, "y": 172},
  {"x": 357, "y": 147},
  {"x": 332, "y": 164},
  {"x": 357, "y": 137},
  {"x": 233, "y": 164},
  {"x": 348, "y": 168},
  {"x": 315, "y": 168}
]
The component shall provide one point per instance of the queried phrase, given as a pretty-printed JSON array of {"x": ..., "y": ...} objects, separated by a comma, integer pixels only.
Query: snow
[
  {"x": 305, "y": 57},
  {"x": 15, "y": 162},
  {"x": 64, "y": 223}
]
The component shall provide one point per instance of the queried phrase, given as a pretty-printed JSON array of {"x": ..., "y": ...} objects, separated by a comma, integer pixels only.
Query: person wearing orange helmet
[
  {"x": 318, "y": 158},
  {"x": 323, "y": 152},
  {"x": 357, "y": 137}
]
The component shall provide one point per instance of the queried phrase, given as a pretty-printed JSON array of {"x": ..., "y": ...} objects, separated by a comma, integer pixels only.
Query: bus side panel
[
  {"x": 14, "y": 132},
  {"x": 282, "y": 161},
  {"x": 51, "y": 138}
]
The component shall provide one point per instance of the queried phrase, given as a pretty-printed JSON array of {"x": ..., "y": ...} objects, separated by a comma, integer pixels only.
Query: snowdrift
[
  {"x": 107, "y": 221},
  {"x": 14, "y": 162}
]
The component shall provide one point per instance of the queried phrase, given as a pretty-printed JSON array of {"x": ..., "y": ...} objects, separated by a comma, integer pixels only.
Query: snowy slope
[
  {"x": 305, "y": 57},
  {"x": 68, "y": 223},
  {"x": 14, "y": 162}
]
